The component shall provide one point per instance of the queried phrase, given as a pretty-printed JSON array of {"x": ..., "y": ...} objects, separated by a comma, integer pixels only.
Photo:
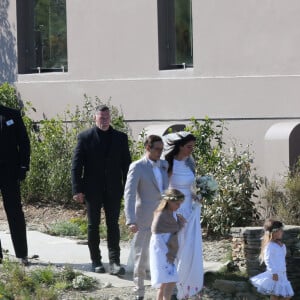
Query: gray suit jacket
[{"x": 142, "y": 194}]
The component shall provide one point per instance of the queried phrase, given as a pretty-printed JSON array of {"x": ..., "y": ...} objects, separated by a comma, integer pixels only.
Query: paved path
[{"x": 61, "y": 251}]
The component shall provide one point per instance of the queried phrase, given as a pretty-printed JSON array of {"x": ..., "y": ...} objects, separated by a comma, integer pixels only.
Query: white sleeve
[{"x": 270, "y": 258}]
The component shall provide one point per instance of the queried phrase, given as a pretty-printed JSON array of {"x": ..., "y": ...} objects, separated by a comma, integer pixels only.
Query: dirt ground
[{"x": 40, "y": 217}]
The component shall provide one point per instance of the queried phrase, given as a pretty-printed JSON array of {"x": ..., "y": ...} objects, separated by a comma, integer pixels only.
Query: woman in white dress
[{"x": 178, "y": 149}]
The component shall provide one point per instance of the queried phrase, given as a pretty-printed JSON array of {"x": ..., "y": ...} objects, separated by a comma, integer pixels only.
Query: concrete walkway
[{"x": 62, "y": 251}]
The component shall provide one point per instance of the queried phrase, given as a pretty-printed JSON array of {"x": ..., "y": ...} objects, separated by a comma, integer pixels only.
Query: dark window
[
  {"x": 175, "y": 34},
  {"x": 42, "y": 36}
]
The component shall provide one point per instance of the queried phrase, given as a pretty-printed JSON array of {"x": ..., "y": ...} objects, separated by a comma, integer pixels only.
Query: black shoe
[
  {"x": 24, "y": 261},
  {"x": 139, "y": 298},
  {"x": 116, "y": 269},
  {"x": 98, "y": 267}
]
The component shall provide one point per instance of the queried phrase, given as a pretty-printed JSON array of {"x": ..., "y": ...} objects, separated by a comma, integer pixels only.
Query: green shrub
[
  {"x": 8, "y": 96},
  {"x": 64, "y": 228},
  {"x": 282, "y": 199},
  {"x": 235, "y": 174},
  {"x": 289, "y": 211}
]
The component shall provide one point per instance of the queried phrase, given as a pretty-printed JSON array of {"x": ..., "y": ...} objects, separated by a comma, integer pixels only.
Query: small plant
[
  {"x": 82, "y": 282},
  {"x": 64, "y": 228},
  {"x": 68, "y": 273},
  {"x": 81, "y": 223},
  {"x": 44, "y": 276}
]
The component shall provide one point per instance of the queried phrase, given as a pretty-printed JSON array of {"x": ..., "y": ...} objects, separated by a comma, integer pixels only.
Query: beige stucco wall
[{"x": 246, "y": 65}]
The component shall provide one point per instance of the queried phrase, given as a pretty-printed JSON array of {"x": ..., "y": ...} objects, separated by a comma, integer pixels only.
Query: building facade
[{"x": 233, "y": 60}]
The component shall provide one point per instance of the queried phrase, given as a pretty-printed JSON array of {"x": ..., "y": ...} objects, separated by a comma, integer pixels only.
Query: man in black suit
[
  {"x": 99, "y": 169},
  {"x": 14, "y": 163}
]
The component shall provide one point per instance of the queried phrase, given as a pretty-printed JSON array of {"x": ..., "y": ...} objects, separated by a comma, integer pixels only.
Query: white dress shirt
[{"x": 157, "y": 173}]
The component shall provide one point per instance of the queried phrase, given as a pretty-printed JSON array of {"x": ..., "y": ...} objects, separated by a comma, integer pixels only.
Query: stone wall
[{"x": 246, "y": 248}]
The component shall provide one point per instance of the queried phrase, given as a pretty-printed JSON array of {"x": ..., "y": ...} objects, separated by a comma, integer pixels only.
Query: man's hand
[
  {"x": 79, "y": 198},
  {"x": 133, "y": 228},
  {"x": 275, "y": 277}
]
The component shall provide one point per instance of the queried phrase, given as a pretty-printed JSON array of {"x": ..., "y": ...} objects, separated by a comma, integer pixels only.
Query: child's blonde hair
[
  {"x": 169, "y": 195},
  {"x": 270, "y": 227}
]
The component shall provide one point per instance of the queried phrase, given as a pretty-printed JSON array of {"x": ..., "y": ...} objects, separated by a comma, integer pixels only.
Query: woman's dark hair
[{"x": 177, "y": 144}]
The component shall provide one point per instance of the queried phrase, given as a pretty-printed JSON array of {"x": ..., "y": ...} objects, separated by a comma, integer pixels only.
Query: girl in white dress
[
  {"x": 178, "y": 149},
  {"x": 164, "y": 244},
  {"x": 273, "y": 281}
]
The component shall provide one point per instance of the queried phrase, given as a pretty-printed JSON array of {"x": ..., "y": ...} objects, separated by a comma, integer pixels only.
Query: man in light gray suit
[{"x": 147, "y": 178}]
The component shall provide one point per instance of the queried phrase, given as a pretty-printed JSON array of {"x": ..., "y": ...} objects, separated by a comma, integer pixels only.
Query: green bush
[
  {"x": 282, "y": 199},
  {"x": 235, "y": 174},
  {"x": 8, "y": 96}
]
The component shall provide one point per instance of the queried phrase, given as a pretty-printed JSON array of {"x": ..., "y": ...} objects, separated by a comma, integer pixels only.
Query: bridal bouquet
[{"x": 207, "y": 187}]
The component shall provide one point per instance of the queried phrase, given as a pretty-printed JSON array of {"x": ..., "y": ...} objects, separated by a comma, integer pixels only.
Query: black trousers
[
  {"x": 112, "y": 213},
  {"x": 11, "y": 195}
]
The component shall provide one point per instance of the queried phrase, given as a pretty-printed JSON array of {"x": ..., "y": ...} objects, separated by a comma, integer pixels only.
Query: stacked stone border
[{"x": 246, "y": 248}]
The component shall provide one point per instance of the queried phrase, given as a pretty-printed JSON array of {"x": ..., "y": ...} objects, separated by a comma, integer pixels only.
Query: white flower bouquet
[{"x": 207, "y": 187}]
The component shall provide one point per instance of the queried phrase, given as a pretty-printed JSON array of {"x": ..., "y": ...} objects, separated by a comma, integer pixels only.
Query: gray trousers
[{"x": 141, "y": 260}]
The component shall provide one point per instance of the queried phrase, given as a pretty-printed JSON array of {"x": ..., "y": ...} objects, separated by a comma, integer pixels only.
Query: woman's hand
[
  {"x": 275, "y": 277},
  {"x": 133, "y": 228}
]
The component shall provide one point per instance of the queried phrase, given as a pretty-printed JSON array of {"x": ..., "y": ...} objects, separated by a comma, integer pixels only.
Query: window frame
[
  {"x": 167, "y": 36},
  {"x": 26, "y": 41}
]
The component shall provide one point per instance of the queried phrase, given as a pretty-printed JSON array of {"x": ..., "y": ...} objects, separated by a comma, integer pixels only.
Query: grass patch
[
  {"x": 78, "y": 227},
  {"x": 41, "y": 283}
]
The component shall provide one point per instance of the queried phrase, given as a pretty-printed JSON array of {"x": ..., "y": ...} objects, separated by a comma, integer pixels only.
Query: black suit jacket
[
  {"x": 93, "y": 173},
  {"x": 14, "y": 143}
]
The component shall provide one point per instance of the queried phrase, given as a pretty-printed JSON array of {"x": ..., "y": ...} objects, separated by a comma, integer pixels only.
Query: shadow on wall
[{"x": 8, "y": 55}]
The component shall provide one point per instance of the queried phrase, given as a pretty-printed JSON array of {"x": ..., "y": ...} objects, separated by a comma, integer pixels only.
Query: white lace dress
[
  {"x": 274, "y": 257},
  {"x": 189, "y": 257}
]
